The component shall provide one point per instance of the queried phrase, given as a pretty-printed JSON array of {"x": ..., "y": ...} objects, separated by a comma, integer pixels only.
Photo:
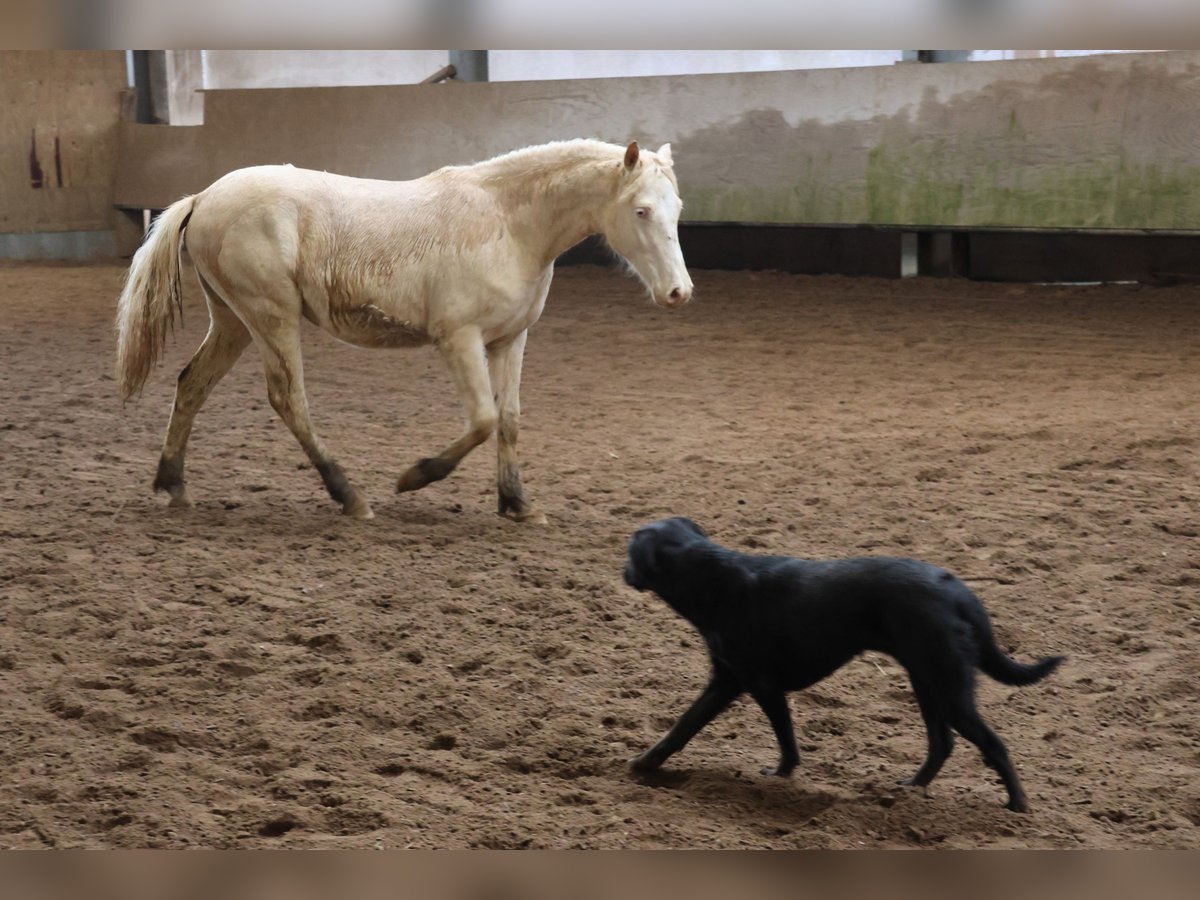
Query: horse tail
[
  {"x": 150, "y": 298},
  {"x": 994, "y": 661}
]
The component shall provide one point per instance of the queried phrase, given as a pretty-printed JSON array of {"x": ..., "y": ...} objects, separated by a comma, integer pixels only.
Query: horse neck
[{"x": 556, "y": 202}]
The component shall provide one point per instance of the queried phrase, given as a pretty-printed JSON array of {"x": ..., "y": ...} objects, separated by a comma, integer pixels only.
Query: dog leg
[
  {"x": 941, "y": 738},
  {"x": 969, "y": 724},
  {"x": 775, "y": 705},
  {"x": 721, "y": 691}
]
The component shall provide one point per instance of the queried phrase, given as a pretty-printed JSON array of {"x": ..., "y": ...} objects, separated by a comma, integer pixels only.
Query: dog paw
[
  {"x": 776, "y": 772},
  {"x": 645, "y": 763}
]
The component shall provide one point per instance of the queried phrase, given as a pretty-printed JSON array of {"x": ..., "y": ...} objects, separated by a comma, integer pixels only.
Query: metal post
[
  {"x": 470, "y": 65},
  {"x": 144, "y": 108}
]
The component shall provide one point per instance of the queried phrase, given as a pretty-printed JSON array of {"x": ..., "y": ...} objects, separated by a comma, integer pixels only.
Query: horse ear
[
  {"x": 631, "y": 155},
  {"x": 664, "y": 153}
]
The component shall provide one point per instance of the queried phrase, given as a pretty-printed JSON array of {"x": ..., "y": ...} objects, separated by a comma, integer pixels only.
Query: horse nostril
[{"x": 676, "y": 294}]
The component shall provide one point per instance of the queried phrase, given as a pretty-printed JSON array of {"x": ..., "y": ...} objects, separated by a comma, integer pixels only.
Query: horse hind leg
[
  {"x": 227, "y": 338},
  {"x": 465, "y": 355},
  {"x": 285, "y": 389}
]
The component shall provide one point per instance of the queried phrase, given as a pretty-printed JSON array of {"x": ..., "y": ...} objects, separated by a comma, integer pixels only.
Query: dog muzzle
[{"x": 631, "y": 578}]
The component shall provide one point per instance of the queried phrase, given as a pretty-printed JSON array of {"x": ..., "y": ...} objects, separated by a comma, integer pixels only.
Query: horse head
[{"x": 642, "y": 224}]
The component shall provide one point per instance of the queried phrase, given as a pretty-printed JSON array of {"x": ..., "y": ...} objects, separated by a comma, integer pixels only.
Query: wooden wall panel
[{"x": 58, "y": 138}]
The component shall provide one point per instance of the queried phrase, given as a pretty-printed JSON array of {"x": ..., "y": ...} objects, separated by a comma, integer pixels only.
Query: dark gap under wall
[
  {"x": 805, "y": 251},
  {"x": 1026, "y": 256},
  {"x": 981, "y": 255}
]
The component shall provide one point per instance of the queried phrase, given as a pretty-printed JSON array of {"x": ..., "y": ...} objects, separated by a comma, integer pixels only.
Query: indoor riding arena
[{"x": 944, "y": 306}]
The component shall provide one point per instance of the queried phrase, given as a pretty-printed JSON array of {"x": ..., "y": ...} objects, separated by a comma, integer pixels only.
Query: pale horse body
[{"x": 461, "y": 258}]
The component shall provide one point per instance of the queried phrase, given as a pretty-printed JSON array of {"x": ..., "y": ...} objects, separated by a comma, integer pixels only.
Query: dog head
[{"x": 653, "y": 548}]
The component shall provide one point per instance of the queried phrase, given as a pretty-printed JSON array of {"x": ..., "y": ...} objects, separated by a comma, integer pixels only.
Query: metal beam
[{"x": 440, "y": 75}]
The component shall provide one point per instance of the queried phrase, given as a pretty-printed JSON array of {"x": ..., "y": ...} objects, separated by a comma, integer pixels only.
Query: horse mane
[
  {"x": 545, "y": 164},
  {"x": 553, "y": 155}
]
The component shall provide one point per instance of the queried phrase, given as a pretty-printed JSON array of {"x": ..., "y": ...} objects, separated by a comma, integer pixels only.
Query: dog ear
[{"x": 641, "y": 554}]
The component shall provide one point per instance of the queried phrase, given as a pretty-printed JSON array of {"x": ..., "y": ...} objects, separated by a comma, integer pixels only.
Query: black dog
[{"x": 774, "y": 624}]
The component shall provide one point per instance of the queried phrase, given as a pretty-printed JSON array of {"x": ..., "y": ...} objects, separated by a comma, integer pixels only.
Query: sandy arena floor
[{"x": 260, "y": 671}]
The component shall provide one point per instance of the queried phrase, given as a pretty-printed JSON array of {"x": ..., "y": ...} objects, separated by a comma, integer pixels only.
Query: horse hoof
[
  {"x": 412, "y": 480},
  {"x": 426, "y": 471},
  {"x": 358, "y": 509},
  {"x": 180, "y": 501},
  {"x": 517, "y": 508},
  {"x": 532, "y": 515}
]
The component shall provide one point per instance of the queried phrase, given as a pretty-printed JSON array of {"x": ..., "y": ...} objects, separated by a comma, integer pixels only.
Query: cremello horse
[{"x": 461, "y": 258}]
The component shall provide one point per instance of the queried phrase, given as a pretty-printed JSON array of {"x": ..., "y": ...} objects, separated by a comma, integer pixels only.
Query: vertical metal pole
[
  {"x": 143, "y": 107},
  {"x": 470, "y": 65},
  {"x": 908, "y": 254},
  {"x": 160, "y": 88}
]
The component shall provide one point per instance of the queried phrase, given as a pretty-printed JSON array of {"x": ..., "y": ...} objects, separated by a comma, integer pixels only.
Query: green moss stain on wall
[
  {"x": 911, "y": 186},
  {"x": 924, "y": 184}
]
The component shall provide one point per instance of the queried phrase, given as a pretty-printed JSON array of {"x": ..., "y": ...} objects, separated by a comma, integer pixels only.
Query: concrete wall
[
  {"x": 1027, "y": 143},
  {"x": 58, "y": 148},
  {"x": 1104, "y": 142}
]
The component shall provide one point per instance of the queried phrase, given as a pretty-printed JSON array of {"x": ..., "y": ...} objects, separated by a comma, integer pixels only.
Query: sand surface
[{"x": 260, "y": 671}]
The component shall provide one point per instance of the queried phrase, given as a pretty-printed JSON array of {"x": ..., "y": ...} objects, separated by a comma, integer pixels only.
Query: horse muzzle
[{"x": 677, "y": 297}]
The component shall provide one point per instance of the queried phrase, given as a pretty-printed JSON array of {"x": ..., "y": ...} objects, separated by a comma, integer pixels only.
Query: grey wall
[{"x": 1084, "y": 143}]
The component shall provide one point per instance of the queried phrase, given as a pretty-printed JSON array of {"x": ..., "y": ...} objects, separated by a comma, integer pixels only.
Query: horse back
[
  {"x": 372, "y": 260},
  {"x": 326, "y": 215}
]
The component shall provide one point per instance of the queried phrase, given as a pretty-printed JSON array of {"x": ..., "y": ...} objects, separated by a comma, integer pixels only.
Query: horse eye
[{"x": 643, "y": 212}]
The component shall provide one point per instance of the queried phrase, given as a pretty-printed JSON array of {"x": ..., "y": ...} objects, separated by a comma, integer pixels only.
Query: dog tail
[
  {"x": 1007, "y": 670},
  {"x": 994, "y": 661}
]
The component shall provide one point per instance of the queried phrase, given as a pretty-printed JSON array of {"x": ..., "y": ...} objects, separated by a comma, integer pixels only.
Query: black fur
[{"x": 775, "y": 624}]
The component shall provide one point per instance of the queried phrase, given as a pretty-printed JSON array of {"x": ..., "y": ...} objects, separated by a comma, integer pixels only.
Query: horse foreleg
[
  {"x": 227, "y": 338},
  {"x": 465, "y": 355},
  {"x": 285, "y": 389},
  {"x": 504, "y": 363}
]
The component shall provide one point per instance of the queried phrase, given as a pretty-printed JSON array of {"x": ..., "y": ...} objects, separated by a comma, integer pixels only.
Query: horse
[{"x": 461, "y": 259}]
